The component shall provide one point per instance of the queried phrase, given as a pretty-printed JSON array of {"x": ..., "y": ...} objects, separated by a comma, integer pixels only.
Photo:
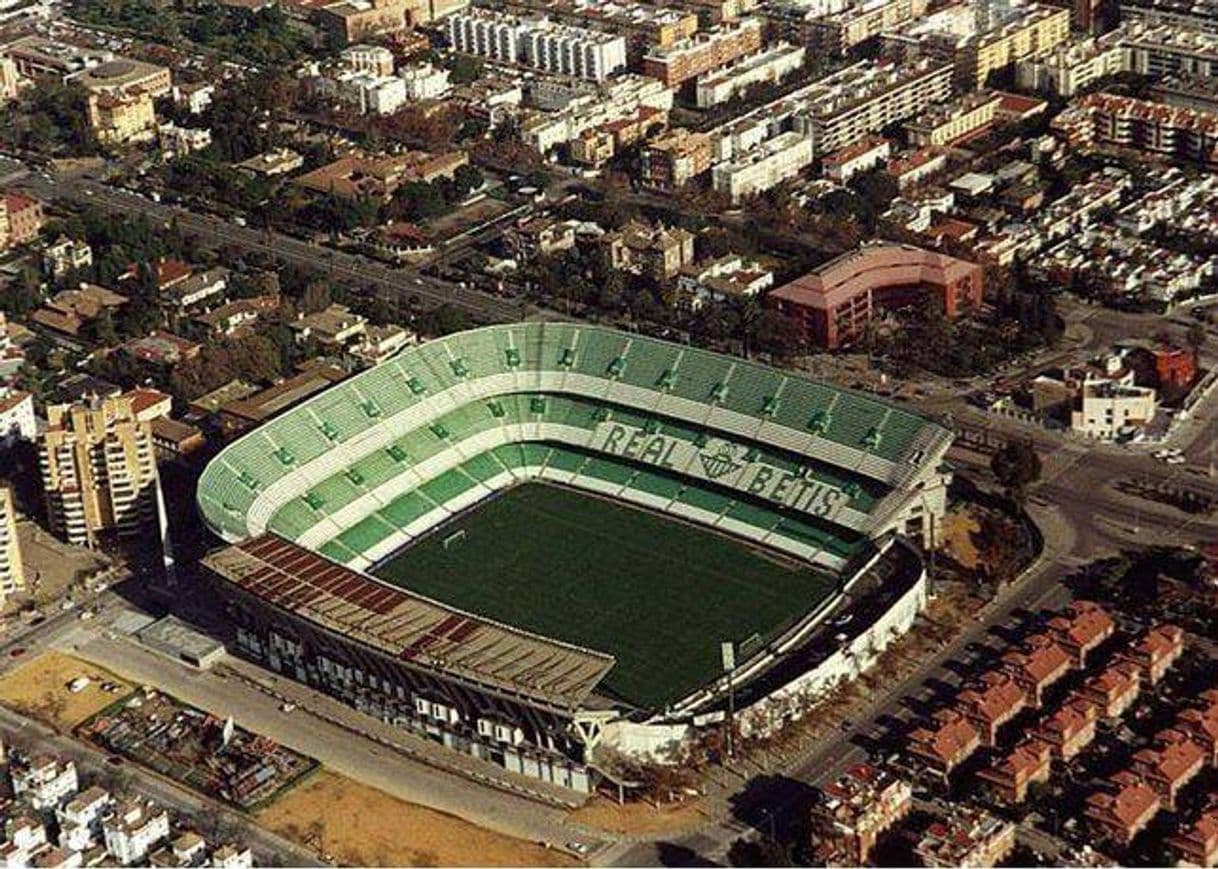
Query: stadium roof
[{"x": 411, "y": 628}]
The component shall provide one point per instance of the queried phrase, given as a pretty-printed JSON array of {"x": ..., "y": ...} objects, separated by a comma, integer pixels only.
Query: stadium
[{"x": 531, "y": 541}]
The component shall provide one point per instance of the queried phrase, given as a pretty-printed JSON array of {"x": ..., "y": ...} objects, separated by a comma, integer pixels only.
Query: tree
[
  {"x": 1016, "y": 466},
  {"x": 997, "y": 539}
]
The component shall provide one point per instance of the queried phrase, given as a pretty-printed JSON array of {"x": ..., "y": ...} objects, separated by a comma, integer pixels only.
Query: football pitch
[{"x": 657, "y": 594}]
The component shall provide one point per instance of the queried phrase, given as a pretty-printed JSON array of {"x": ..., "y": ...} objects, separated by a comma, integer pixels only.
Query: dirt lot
[
  {"x": 362, "y": 826},
  {"x": 958, "y": 528},
  {"x": 39, "y": 688},
  {"x": 637, "y": 818}
]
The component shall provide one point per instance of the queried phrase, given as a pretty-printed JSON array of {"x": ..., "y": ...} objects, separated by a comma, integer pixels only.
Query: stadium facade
[{"x": 314, "y": 500}]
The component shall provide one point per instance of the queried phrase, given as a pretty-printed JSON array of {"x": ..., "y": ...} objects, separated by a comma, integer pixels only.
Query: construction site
[{"x": 210, "y": 754}]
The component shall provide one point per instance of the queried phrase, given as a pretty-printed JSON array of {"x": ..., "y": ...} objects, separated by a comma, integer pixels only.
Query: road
[{"x": 394, "y": 285}]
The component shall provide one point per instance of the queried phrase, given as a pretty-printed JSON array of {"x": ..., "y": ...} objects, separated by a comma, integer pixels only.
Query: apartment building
[
  {"x": 99, "y": 472},
  {"x": 1202, "y": 723},
  {"x": 967, "y": 837},
  {"x": 1153, "y": 127},
  {"x": 862, "y": 99},
  {"x": 21, "y": 219},
  {"x": 862, "y": 156},
  {"x": 675, "y": 158},
  {"x": 1072, "y": 66},
  {"x": 371, "y": 59},
  {"x": 612, "y": 107},
  {"x": 12, "y": 568},
  {"x": 769, "y": 66},
  {"x": 976, "y": 45},
  {"x": 44, "y": 781},
  {"x": 538, "y": 43},
  {"x": 351, "y": 22},
  {"x": 834, "y": 27},
  {"x": 118, "y": 119},
  {"x": 1028, "y": 763},
  {"x": 1196, "y": 15},
  {"x": 425, "y": 82},
  {"x": 763, "y": 167},
  {"x": 1197, "y": 844},
  {"x": 133, "y": 828},
  {"x": 644, "y": 25},
  {"x": 704, "y": 52},
  {"x": 850, "y": 814},
  {"x": 942, "y": 125}
]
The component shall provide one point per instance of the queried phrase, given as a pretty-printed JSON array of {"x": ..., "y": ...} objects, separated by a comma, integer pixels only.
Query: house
[
  {"x": 330, "y": 329},
  {"x": 1037, "y": 666},
  {"x": 196, "y": 291},
  {"x": 862, "y": 156},
  {"x": 1120, "y": 815},
  {"x": 132, "y": 828},
  {"x": 1081, "y": 629},
  {"x": 148, "y": 404},
  {"x": 80, "y": 819},
  {"x": 1070, "y": 729},
  {"x": 165, "y": 272},
  {"x": 728, "y": 278},
  {"x": 656, "y": 251},
  {"x": 1202, "y": 724},
  {"x": 24, "y": 836},
  {"x": 232, "y": 856},
  {"x": 69, "y": 311},
  {"x": 946, "y": 743},
  {"x": 163, "y": 349},
  {"x": 1028, "y": 763},
  {"x": 356, "y": 176},
  {"x": 44, "y": 781},
  {"x": 271, "y": 164},
  {"x": 174, "y": 440},
  {"x": 1197, "y": 844},
  {"x": 238, "y": 317},
  {"x": 966, "y": 837},
  {"x": 997, "y": 699},
  {"x": 1155, "y": 652},
  {"x": 398, "y": 241},
  {"x": 65, "y": 255},
  {"x": 540, "y": 236},
  {"x": 1171, "y": 765},
  {"x": 1114, "y": 689},
  {"x": 377, "y": 344}
]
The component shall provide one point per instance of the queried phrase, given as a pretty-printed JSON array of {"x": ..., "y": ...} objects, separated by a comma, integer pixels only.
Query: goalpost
[{"x": 454, "y": 539}]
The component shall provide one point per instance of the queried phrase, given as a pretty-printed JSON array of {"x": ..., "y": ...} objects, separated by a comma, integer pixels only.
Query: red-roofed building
[
  {"x": 147, "y": 404},
  {"x": 162, "y": 348},
  {"x": 1156, "y": 652},
  {"x": 946, "y": 743},
  {"x": 1070, "y": 729},
  {"x": 993, "y": 703},
  {"x": 1082, "y": 628},
  {"x": 1114, "y": 689},
  {"x": 1202, "y": 724},
  {"x": 1171, "y": 766},
  {"x": 863, "y": 156},
  {"x": 834, "y": 304},
  {"x": 1198, "y": 844},
  {"x": 1120, "y": 816},
  {"x": 20, "y": 219},
  {"x": 166, "y": 271},
  {"x": 1010, "y": 777},
  {"x": 1037, "y": 666}
]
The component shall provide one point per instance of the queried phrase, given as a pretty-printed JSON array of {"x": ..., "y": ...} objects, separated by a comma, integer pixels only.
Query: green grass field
[{"x": 657, "y": 594}]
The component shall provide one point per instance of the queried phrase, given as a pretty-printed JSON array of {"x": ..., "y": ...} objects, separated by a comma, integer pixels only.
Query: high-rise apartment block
[{"x": 99, "y": 472}]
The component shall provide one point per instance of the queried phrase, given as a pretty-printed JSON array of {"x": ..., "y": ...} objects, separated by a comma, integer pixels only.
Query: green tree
[{"x": 1016, "y": 466}]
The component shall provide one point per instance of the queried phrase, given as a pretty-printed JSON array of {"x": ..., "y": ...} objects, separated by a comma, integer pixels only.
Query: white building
[
  {"x": 12, "y": 568},
  {"x": 379, "y": 343},
  {"x": 613, "y": 101},
  {"x": 178, "y": 141},
  {"x": 132, "y": 829},
  {"x": 10, "y": 79},
  {"x": 24, "y": 837},
  {"x": 1103, "y": 401},
  {"x": 538, "y": 43},
  {"x": 65, "y": 255},
  {"x": 425, "y": 82},
  {"x": 80, "y": 819},
  {"x": 371, "y": 94},
  {"x": 232, "y": 857},
  {"x": 841, "y": 166},
  {"x": 773, "y": 64},
  {"x": 195, "y": 97},
  {"x": 724, "y": 279},
  {"x": 372, "y": 59},
  {"x": 763, "y": 167},
  {"x": 45, "y": 780}
]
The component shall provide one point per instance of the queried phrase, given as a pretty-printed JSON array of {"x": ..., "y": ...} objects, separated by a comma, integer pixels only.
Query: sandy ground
[
  {"x": 636, "y": 818},
  {"x": 51, "y": 565},
  {"x": 362, "y": 826},
  {"x": 957, "y": 529},
  {"x": 39, "y": 688}
]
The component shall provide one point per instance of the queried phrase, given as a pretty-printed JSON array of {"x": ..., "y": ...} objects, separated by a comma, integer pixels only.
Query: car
[
  {"x": 17, "y": 652},
  {"x": 577, "y": 848},
  {"x": 85, "y": 616},
  {"x": 1175, "y": 460},
  {"x": 842, "y": 620},
  {"x": 286, "y": 707}
]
